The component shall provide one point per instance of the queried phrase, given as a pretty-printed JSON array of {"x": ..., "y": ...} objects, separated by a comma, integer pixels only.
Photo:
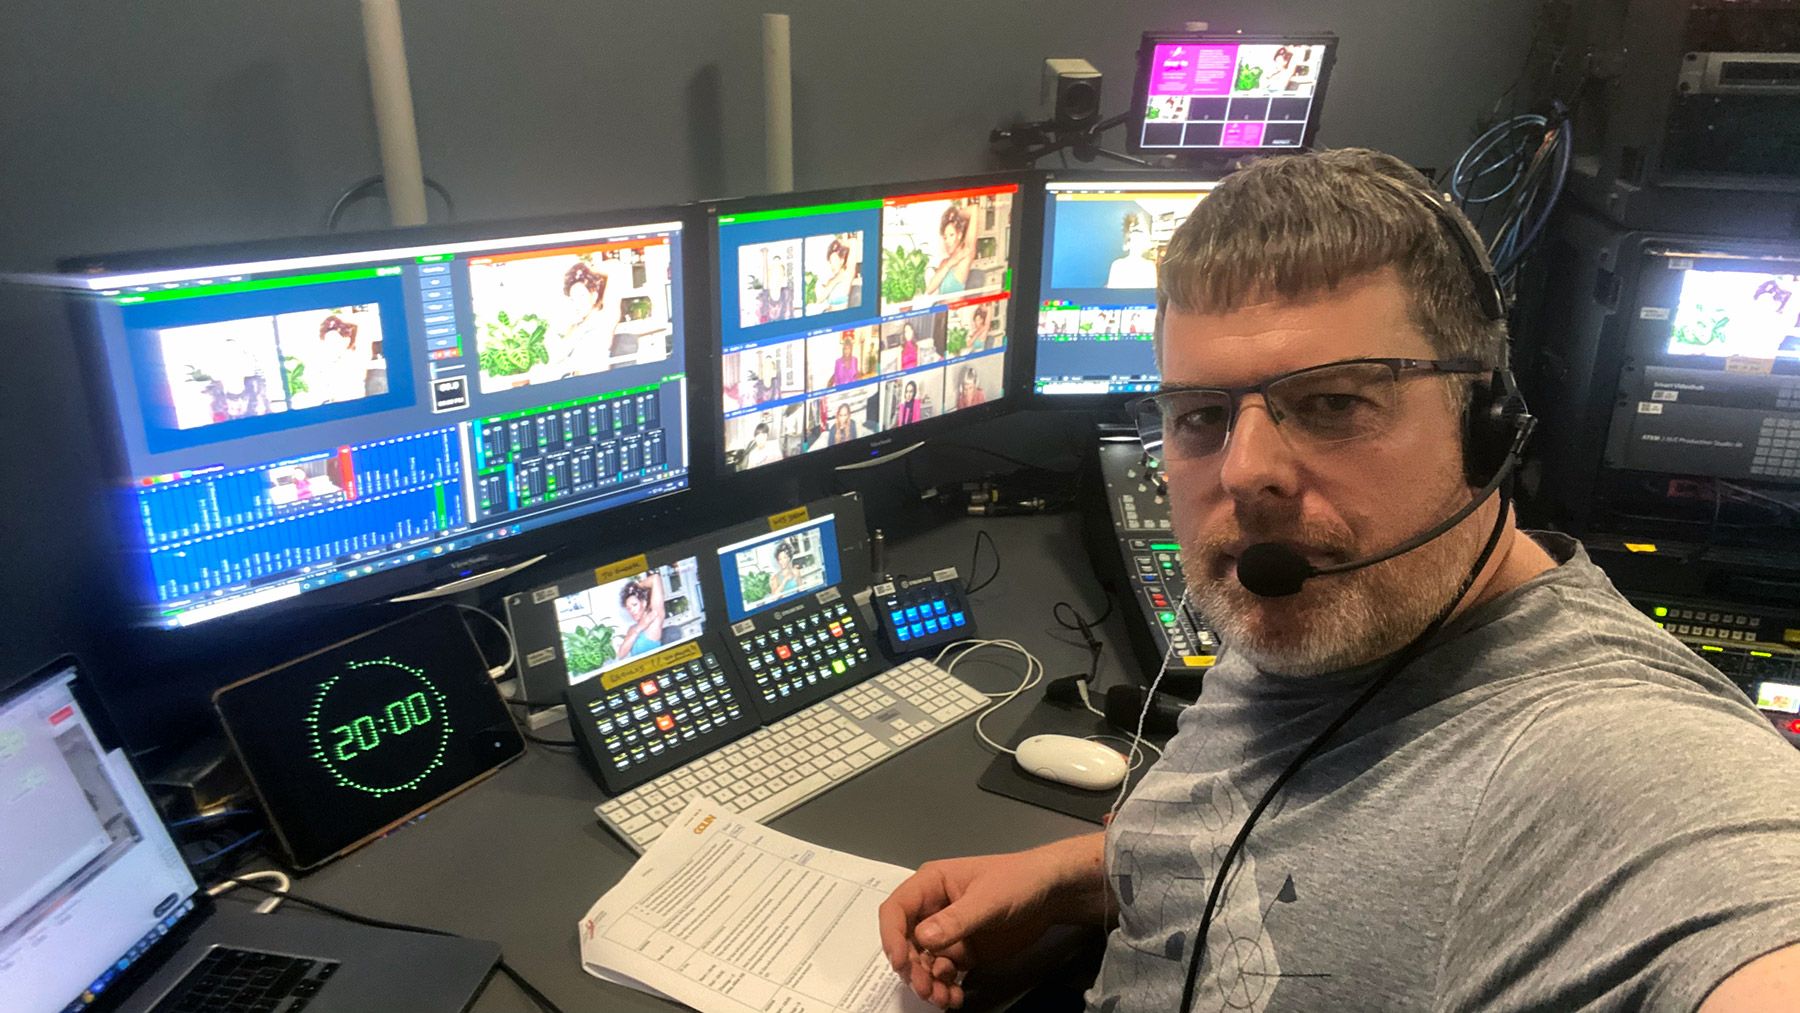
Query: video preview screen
[
  {"x": 845, "y": 320},
  {"x": 627, "y": 617},
  {"x": 1737, "y": 314},
  {"x": 1217, "y": 94},
  {"x": 762, "y": 572},
  {"x": 293, "y": 424},
  {"x": 1097, "y": 298}
]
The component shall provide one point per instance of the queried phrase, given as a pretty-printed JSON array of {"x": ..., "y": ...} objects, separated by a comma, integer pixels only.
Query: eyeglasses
[{"x": 1317, "y": 406}]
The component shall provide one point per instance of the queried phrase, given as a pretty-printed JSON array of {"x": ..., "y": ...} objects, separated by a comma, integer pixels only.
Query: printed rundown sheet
[{"x": 729, "y": 916}]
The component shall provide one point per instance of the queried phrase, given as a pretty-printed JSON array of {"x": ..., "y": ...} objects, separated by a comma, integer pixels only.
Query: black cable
[
  {"x": 569, "y": 743},
  {"x": 1403, "y": 658},
  {"x": 998, "y": 456},
  {"x": 975, "y": 557},
  {"x": 1056, "y": 613},
  {"x": 531, "y": 991}
]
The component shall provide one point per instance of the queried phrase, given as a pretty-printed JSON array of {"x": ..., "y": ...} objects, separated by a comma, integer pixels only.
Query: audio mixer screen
[{"x": 294, "y": 423}]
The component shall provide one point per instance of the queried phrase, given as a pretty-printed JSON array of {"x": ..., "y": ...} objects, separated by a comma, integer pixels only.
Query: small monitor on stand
[{"x": 1214, "y": 97}]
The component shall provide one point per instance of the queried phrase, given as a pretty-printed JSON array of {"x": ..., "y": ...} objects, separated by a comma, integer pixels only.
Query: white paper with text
[{"x": 728, "y": 916}]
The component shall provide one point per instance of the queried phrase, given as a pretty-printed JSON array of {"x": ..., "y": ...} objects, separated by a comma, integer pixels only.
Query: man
[{"x": 1554, "y": 806}]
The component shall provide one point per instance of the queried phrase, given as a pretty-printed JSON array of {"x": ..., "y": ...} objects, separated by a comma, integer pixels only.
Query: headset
[{"x": 1496, "y": 426}]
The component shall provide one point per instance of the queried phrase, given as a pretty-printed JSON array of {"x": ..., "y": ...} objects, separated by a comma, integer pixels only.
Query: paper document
[{"x": 728, "y": 916}]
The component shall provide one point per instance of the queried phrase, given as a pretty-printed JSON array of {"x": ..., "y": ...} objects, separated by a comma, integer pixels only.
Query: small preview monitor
[
  {"x": 1096, "y": 323},
  {"x": 850, "y": 318},
  {"x": 292, "y": 418},
  {"x": 1205, "y": 93},
  {"x": 763, "y": 572},
  {"x": 1713, "y": 384},
  {"x": 632, "y": 609}
]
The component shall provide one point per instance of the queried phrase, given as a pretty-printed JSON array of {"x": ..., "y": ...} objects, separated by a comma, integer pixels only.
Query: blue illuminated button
[
  {"x": 938, "y": 607},
  {"x": 903, "y": 632},
  {"x": 912, "y": 614},
  {"x": 918, "y": 629},
  {"x": 897, "y": 617},
  {"x": 931, "y": 626},
  {"x": 957, "y": 618}
]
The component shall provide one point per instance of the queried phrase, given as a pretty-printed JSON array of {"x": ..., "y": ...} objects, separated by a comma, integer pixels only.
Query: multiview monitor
[
  {"x": 1096, "y": 321},
  {"x": 1205, "y": 93},
  {"x": 292, "y": 417},
  {"x": 849, "y": 320}
]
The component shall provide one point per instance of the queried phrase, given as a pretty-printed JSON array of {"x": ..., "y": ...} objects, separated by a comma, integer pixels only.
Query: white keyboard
[{"x": 774, "y": 769}]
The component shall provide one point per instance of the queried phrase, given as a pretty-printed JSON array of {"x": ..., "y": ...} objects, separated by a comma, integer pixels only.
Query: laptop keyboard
[{"x": 229, "y": 980}]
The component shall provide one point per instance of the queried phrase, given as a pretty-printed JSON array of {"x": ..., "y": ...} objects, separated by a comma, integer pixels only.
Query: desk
[{"x": 519, "y": 858}]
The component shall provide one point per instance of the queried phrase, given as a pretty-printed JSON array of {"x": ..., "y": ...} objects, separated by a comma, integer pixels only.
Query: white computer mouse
[{"x": 1065, "y": 759}]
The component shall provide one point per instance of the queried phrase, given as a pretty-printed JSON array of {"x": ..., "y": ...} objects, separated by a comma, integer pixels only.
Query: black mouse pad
[{"x": 1003, "y": 776}]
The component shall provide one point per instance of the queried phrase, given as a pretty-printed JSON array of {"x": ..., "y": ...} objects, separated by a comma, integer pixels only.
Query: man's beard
[{"x": 1336, "y": 621}]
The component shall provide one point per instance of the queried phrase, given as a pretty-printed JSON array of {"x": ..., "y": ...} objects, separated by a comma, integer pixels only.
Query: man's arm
[
  {"x": 954, "y": 914},
  {"x": 1766, "y": 983}
]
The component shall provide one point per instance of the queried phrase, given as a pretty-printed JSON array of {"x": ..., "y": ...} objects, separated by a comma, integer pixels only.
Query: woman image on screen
[
  {"x": 786, "y": 578},
  {"x": 834, "y": 290},
  {"x": 968, "y": 389},
  {"x": 843, "y": 427},
  {"x": 1137, "y": 268},
  {"x": 848, "y": 368},
  {"x": 642, "y": 599},
  {"x": 763, "y": 447},
  {"x": 909, "y": 346},
  {"x": 951, "y": 275},
  {"x": 979, "y": 330},
  {"x": 909, "y": 406}
]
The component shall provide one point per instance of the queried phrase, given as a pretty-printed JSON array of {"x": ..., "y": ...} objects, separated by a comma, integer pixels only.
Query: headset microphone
[{"x": 1272, "y": 570}]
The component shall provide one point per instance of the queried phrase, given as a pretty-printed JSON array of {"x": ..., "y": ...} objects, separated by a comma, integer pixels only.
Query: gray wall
[{"x": 126, "y": 125}]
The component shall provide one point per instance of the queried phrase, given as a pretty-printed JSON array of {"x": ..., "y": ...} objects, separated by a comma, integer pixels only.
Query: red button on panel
[
  {"x": 665, "y": 721},
  {"x": 837, "y": 629},
  {"x": 784, "y": 652},
  {"x": 647, "y": 687}
]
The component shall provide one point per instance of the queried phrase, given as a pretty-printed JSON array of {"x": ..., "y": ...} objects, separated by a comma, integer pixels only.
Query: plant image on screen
[
  {"x": 902, "y": 273},
  {"x": 513, "y": 348},
  {"x": 589, "y": 649}
]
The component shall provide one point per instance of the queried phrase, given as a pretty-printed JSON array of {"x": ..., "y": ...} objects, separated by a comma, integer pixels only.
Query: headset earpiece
[{"x": 1495, "y": 426}]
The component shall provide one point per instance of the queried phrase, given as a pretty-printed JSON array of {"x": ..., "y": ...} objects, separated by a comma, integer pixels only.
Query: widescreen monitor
[
  {"x": 1103, "y": 238},
  {"x": 291, "y": 419},
  {"x": 848, "y": 321},
  {"x": 1202, "y": 93}
]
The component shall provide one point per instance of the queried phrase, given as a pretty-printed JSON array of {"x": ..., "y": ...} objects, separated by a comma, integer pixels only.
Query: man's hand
[{"x": 954, "y": 914}]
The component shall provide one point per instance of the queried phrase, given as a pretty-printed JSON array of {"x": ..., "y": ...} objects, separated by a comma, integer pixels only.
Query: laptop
[{"x": 98, "y": 912}]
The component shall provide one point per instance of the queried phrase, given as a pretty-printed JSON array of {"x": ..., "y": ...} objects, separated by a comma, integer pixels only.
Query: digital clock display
[{"x": 348, "y": 742}]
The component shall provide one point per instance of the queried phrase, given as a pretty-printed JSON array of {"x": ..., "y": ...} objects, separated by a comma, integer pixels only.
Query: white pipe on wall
[
  {"x": 778, "y": 103},
  {"x": 395, "y": 128}
]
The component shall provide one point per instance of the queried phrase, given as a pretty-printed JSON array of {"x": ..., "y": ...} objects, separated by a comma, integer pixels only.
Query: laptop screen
[{"x": 91, "y": 878}]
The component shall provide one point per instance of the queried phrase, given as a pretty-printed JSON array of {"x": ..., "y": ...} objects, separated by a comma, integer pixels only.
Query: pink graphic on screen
[
  {"x": 1242, "y": 135},
  {"x": 1185, "y": 68}
]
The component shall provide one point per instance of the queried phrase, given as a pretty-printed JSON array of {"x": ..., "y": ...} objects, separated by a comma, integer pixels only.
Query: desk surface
[{"x": 519, "y": 858}]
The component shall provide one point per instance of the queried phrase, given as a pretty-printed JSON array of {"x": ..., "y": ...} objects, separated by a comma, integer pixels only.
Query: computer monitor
[
  {"x": 294, "y": 416},
  {"x": 1713, "y": 383},
  {"x": 1219, "y": 94},
  {"x": 1096, "y": 321},
  {"x": 849, "y": 320}
]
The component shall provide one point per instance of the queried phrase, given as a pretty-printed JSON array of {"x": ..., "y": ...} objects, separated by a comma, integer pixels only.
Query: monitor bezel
[
  {"x": 550, "y": 540},
  {"x": 1112, "y": 402},
  {"x": 1140, "y": 91},
  {"x": 874, "y": 447}
]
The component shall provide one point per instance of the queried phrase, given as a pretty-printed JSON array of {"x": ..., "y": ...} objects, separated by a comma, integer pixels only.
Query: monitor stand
[{"x": 466, "y": 581}]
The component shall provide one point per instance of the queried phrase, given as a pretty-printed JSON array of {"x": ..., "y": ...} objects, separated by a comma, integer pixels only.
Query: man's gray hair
[{"x": 1296, "y": 227}]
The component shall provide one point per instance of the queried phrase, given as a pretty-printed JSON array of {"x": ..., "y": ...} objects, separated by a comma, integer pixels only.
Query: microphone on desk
[{"x": 1272, "y": 570}]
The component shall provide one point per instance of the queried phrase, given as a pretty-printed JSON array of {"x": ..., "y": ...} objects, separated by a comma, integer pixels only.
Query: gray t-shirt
[{"x": 1555, "y": 807}]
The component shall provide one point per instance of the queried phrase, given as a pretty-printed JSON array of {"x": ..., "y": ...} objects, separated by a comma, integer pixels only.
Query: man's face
[{"x": 1332, "y": 503}]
